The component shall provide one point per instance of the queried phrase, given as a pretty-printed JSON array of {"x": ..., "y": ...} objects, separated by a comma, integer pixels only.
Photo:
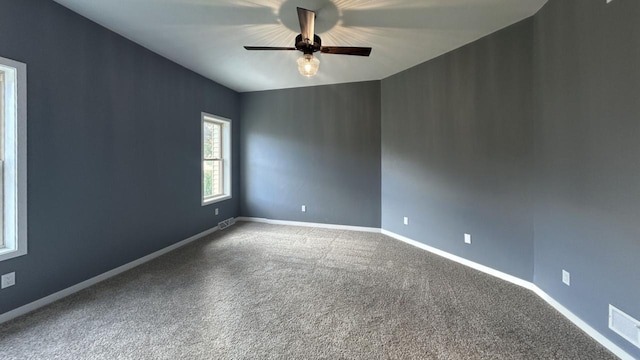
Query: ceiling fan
[{"x": 308, "y": 42}]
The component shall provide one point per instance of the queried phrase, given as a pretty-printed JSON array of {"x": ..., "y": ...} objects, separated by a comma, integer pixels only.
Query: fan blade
[
  {"x": 307, "y": 23},
  {"x": 268, "y": 48},
  {"x": 346, "y": 50}
]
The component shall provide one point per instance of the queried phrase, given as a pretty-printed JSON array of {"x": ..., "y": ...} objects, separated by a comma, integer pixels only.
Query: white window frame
[
  {"x": 14, "y": 166},
  {"x": 226, "y": 158}
]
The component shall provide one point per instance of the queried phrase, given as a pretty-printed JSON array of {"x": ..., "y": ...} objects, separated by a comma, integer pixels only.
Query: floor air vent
[
  {"x": 226, "y": 223},
  {"x": 624, "y": 325}
]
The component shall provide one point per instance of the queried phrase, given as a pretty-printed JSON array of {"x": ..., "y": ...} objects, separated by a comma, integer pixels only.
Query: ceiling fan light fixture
[{"x": 308, "y": 65}]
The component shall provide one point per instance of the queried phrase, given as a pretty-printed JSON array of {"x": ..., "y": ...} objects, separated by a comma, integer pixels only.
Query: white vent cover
[
  {"x": 624, "y": 325},
  {"x": 226, "y": 223}
]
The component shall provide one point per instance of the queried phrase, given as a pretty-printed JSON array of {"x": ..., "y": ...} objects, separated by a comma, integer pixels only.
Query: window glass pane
[
  {"x": 2, "y": 101},
  {"x": 217, "y": 178},
  {"x": 207, "y": 168},
  {"x": 217, "y": 141},
  {"x": 13, "y": 210},
  {"x": 208, "y": 140}
]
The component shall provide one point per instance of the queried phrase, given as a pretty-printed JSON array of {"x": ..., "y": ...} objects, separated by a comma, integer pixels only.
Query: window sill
[
  {"x": 215, "y": 200},
  {"x": 9, "y": 253}
]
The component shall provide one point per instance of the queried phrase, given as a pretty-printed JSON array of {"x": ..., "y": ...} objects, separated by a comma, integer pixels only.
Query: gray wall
[
  {"x": 527, "y": 139},
  {"x": 318, "y": 146},
  {"x": 457, "y": 151},
  {"x": 113, "y": 149},
  {"x": 587, "y": 151}
]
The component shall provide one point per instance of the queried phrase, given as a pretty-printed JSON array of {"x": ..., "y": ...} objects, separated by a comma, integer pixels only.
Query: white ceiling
[{"x": 207, "y": 36}]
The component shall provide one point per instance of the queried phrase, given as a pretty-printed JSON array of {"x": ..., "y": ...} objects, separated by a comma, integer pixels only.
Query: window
[
  {"x": 216, "y": 159},
  {"x": 13, "y": 159}
]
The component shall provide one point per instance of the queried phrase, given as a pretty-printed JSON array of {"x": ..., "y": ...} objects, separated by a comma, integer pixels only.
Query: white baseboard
[
  {"x": 463, "y": 261},
  {"x": 586, "y": 328},
  {"x": 309, "y": 224},
  {"x": 94, "y": 280},
  {"x": 597, "y": 336},
  {"x": 593, "y": 333}
]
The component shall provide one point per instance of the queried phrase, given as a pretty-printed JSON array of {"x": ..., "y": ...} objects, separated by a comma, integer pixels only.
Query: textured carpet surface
[{"x": 257, "y": 291}]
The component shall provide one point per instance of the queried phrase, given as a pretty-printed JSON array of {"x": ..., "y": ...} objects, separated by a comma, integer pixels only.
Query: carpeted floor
[{"x": 257, "y": 291}]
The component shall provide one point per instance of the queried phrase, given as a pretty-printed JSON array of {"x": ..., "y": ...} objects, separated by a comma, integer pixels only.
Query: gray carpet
[{"x": 259, "y": 291}]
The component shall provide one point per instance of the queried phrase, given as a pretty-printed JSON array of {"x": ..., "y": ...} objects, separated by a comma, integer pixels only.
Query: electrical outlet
[
  {"x": 467, "y": 238},
  {"x": 216, "y": 211},
  {"x": 566, "y": 277},
  {"x": 304, "y": 208},
  {"x": 406, "y": 220},
  {"x": 8, "y": 280}
]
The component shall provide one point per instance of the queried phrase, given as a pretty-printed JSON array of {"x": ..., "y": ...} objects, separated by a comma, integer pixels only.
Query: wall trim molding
[
  {"x": 474, "y": 265},
  {"x": 586, "y": 328},
  {"x": 308, "y": 224},
  {"x": 595, "y": 335},
  {"x": 12, "y": 314}
]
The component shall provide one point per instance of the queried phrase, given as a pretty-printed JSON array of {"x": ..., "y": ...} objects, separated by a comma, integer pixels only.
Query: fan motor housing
[{"x": 306, "y": 47}]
